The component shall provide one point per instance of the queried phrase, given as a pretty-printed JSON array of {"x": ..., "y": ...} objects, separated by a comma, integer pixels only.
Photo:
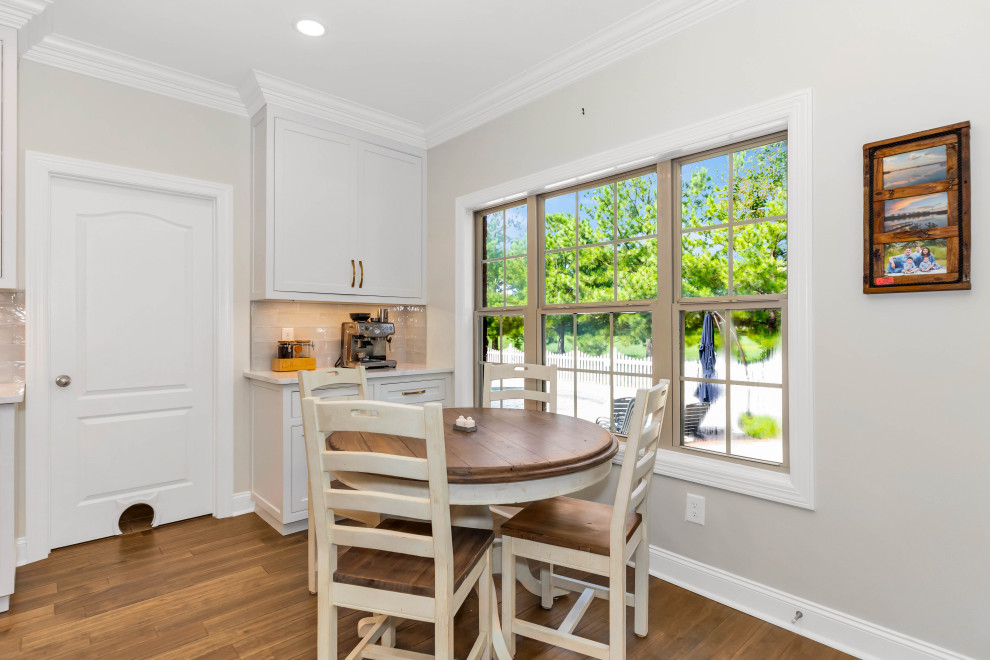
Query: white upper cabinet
[
  {"x": 390, "y": 203},
  {"x": 338, "y": 215},
  {"x": 315, "y": 218}
]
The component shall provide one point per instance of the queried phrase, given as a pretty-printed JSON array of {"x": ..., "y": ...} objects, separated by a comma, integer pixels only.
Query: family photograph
[{"x": 916, "y": 257}]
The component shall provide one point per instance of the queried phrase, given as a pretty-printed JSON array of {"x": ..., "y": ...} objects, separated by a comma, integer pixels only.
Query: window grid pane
[
  {"x": 607, "y": 266},
  {"x": 504, "y": 258},
  {"x": 502, "y": 342},
  {"x": 602, "y": 359},
  {"x": 737, "y": 249},
  {"x": 712, "y": 419}
]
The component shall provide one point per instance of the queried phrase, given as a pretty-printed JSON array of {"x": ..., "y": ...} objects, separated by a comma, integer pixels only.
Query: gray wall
[{"x": 900, "y": 536}]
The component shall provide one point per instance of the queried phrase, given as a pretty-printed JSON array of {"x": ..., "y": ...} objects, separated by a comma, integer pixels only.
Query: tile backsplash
[
  {"x": 320, "y": 323},
  {"x": 12, "y": 337}
]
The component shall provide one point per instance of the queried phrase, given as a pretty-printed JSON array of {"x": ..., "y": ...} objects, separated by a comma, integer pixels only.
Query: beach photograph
[
  {"x": 913, "y": 213},
  {"x": 915, "y": 167}
]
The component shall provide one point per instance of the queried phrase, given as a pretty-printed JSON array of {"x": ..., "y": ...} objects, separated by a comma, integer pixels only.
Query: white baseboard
[
  {"x": 22, "y": 544},
  {"x": 275, "y": 520},
  {"x": 242, "y": 503},
  {"x": 840, "y": 631}
]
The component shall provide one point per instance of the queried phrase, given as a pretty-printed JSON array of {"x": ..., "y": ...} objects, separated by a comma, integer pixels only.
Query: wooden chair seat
[
  {"x": 394, "y": 571},
  {"x": 568, "y": 523}
]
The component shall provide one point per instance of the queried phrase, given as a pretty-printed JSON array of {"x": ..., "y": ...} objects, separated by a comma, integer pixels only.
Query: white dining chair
[
  {"x": 546, "y": 375},
  {"x": 545, "y": 394},
  {"x": 417, "y": 567},
  {"x": 592, "y": 537},
  {"x": 336, "y": 383}
]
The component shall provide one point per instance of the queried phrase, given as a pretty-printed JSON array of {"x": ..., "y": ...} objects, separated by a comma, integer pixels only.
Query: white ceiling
[{"x": 417, "y": 59}]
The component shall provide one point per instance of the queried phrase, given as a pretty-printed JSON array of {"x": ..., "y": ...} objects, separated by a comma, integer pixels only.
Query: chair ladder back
[
  {"x": 323, "y": 417},
  {"x": 545, "y": 374},
  {"x": 436, "y": 460},
  {"x": 640, "y": 456},
  {"x": 322, "y": 379}
]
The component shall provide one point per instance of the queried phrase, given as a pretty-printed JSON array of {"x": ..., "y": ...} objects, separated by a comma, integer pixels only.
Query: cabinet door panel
[
  {"x": 299, "y": 477},
  {"x": 390, "y": 205},
  {"x": 315, "y": 219}
]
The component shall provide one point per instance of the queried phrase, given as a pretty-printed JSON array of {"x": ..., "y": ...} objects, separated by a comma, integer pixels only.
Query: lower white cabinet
[
  {"x": 10, "y": 395},
  {"x": 279, "y": 483}
]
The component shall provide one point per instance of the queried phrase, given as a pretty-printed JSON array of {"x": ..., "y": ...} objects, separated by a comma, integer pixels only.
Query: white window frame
[{"x": 792, "y": 113}]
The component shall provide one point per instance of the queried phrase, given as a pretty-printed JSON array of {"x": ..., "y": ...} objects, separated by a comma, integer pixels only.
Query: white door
[
  {"x": 314, "y": 248},
  {"x": 132, "y": 293},
  {"x": 390, "y": 205}
]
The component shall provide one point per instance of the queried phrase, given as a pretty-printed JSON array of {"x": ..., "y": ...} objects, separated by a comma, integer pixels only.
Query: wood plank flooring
[{"x": 234, "y": 588}]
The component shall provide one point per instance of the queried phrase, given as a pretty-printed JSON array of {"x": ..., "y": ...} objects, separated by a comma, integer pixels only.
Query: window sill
[{"x": 794, "y": 488}]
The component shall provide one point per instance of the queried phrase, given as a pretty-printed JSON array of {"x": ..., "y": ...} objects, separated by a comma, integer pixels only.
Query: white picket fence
[{"x": 634, "y": 369}]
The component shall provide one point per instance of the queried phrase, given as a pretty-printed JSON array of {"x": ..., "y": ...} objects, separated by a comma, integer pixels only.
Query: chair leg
[
  {"x": 641, "y": 598},
  {"x": 617, "y": 609},
  {"x": 443, "y": 634},
  {"x": 326, "y": 627},
  {"x": 311, "y": 545},
  {"x": 546, "y": 586},
  {"x": 485, "y": 609},
  {"x": 388, "y": 637},
  {"x": 508, "y": 593}
]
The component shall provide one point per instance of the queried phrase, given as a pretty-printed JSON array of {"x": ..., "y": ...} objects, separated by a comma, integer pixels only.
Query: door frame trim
[{"x": 40, "y": 169}]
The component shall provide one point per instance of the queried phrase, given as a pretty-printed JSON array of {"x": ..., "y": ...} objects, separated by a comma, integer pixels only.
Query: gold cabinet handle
[
  {"x": 361, "y": 285},
  {"x": 412, "y": 393},
  {"x": 353, "y": 273}
]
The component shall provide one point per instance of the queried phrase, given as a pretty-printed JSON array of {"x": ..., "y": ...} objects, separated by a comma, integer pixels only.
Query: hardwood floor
[{"x": 234, "y": 588}]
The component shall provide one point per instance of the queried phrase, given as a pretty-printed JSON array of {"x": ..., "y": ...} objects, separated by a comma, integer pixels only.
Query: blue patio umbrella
[{"x": 707, "y": 392}]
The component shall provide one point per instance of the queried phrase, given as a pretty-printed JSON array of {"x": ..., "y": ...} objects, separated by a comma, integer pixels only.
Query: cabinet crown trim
[{"x": 261, "y": 89}]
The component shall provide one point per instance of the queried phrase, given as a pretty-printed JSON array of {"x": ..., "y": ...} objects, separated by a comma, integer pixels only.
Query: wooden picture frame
[{"x": 916, "y": 212}]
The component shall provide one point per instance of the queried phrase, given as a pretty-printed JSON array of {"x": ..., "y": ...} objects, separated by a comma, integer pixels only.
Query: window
[
  {"x": 600, "y": 256},
  {"x": 731, "y": 301},
  {"x": 688, "y": 256},
  {"x": 503, "y": 288}
]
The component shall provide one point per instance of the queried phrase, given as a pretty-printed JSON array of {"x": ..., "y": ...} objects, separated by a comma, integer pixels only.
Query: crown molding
[
  {"x": 17, "y": 13},
  {"x": 647, "y": 27},
  {"x": 262, "y": 88},
  {"x": 80, "y": 57}
]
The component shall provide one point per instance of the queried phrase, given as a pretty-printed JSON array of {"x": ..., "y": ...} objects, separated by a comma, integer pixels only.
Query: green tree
[
  {"x": 759, "y": 190},
  {"x": 502, "y": 332},
  {"x": 627, "y": 211}
]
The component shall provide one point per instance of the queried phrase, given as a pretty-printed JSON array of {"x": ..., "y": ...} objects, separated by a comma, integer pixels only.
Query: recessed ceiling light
[{"x": 311, "y": 28}]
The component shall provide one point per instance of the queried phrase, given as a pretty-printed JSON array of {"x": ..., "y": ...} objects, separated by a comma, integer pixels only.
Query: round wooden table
[{"x": 515, "y": 456}]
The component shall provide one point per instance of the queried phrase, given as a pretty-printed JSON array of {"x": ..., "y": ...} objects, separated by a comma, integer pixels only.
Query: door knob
[{"x": 63, "y": 381}]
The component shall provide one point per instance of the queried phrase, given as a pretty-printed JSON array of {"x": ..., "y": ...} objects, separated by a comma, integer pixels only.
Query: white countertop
[
  {"x": 11, "y": 392},
  {"x": 289, "y": 377}
]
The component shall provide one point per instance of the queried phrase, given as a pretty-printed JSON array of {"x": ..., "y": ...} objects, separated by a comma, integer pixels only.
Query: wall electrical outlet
[
  {"x": 695, "y": 511},
  {"x": 288, "y": 334}
]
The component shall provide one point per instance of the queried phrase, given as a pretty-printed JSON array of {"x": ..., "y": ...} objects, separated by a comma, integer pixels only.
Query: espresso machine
[{"x": 366, "y": 341}]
